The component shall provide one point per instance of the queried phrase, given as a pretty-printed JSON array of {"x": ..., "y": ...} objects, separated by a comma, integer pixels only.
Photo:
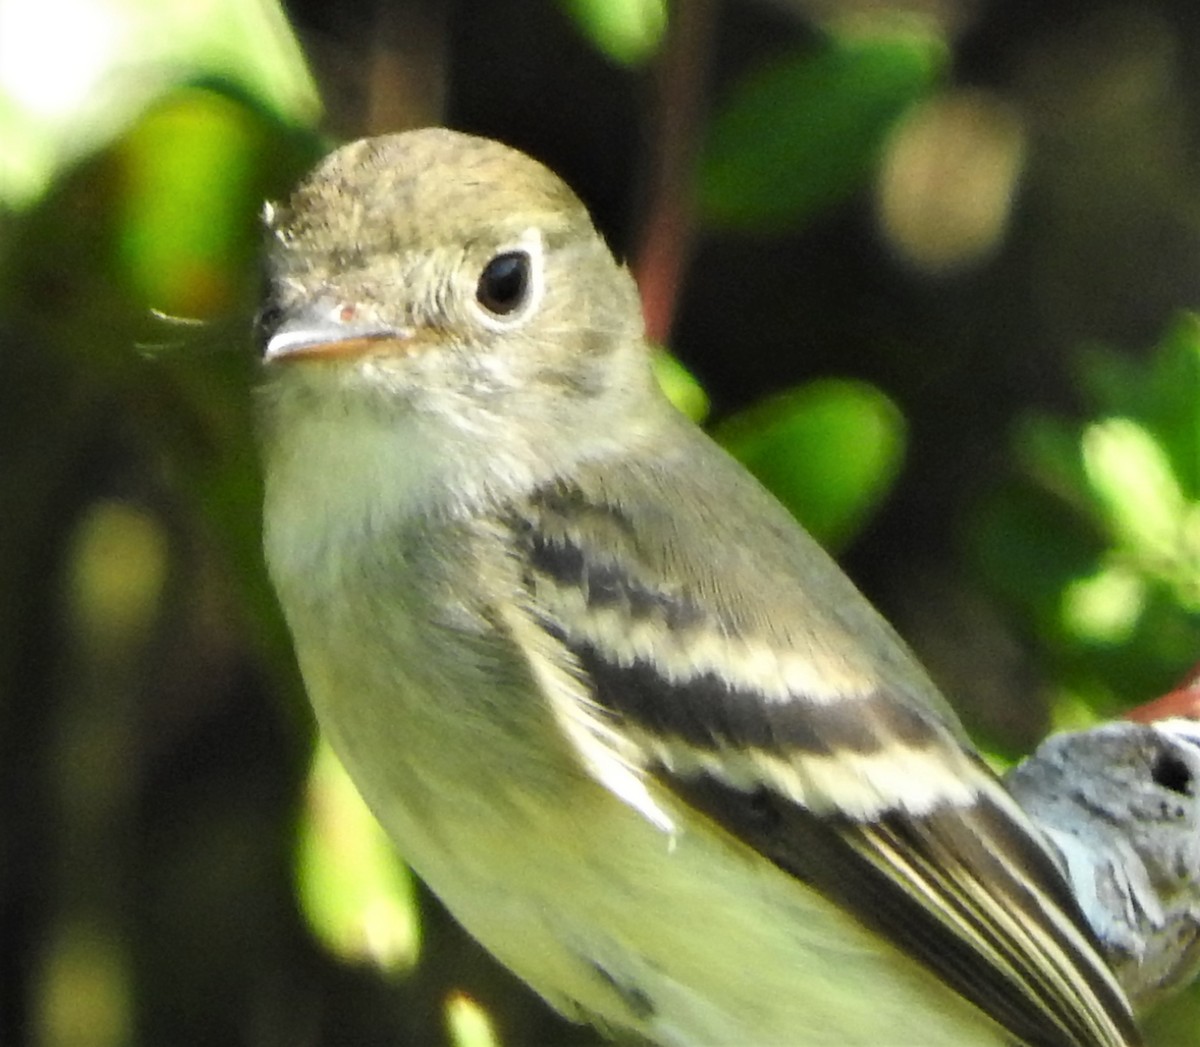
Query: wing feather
[{"x": 758, "y": 686}]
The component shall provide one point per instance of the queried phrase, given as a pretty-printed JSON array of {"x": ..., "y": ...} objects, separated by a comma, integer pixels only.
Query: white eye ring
[{"x": 511, "y": 283}]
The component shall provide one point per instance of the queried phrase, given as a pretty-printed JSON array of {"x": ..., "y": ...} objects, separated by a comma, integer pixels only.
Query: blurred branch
[
  {"x": 406, "y": 68},
  {"x": 667, "y": 233}
]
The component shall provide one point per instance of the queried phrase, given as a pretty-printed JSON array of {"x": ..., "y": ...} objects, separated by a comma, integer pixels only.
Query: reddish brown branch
[{"x": 667, "y": 233}]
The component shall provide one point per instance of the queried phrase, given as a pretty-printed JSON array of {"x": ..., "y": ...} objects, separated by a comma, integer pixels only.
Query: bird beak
[{"x": 309, "y": 335}]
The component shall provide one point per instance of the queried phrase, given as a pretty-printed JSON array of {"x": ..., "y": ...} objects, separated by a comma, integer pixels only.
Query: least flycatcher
[{"x": 618, "y": 709}]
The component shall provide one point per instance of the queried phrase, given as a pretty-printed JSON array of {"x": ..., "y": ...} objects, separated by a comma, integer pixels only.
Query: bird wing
[{"x": 733, "y": 662}]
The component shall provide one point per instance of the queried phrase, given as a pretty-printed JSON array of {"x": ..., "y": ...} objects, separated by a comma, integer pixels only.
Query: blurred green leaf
[
  {"x": 165, "y": 219},
  {"x": 1160, "y": 394},
  {"x": 627, "y": 31},
  {"x": 829, "y": 451},
  {"x": 1174, "y": 392},
  {"x": 188, "y": 167},
  {"x": 88, "y": 994},
  {"x": 118, "y": 572},
  {"x": 1113, "y": 381},
  {"x": 1030, "y": 546},
  {"x": 469, "y": 1024},
  {"x": 1048, "y": 450},
  {"x": 806, "y": 131},
  {"x": 1130, "y": 478},
  {"x": 1105, "y": 607},
  {"x": 356, "y": 893},
  {"x": 112, "y": 58},
  {"x": 1098, "y": 542},
  {"x": 680, "y": 385}
]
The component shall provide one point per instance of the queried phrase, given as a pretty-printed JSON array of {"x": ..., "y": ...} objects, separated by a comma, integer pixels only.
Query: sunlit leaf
[
  {"x": 112, "y": 58},
  {"x": 355, "y": 892},
  {"x": 828, "y": 450},
  {"x": 1132, "y": 479},
  {"x": 1073, "y": 710},
  {"x": 807, "y": 130},
  {"x": 680, "y": 385},
  {"x": 1105, "y": 607},
  {"x": 188, "y": 170},
  {"x": 1100, "y": 545},
  {"x": 1162, "y": 394},
  {"x": 627, "y": 31},
  {"x": 468, "y": 1023}
]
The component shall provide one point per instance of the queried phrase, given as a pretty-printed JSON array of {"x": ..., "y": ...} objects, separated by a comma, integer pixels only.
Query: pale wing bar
[{"x": 960, "y": 886}]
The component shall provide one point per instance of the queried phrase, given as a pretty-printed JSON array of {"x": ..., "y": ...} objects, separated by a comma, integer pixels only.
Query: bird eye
[{"x": 504, "y": 283}]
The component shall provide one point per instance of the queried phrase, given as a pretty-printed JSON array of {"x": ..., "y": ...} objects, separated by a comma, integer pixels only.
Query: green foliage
[
  {"x": 115, "y": 57},
  {"x": 628, "y": 32},
  {"x": 681, "y": 387},
  {"x": 806, "y": 131},
  {"x": 1097, "y": 541},
  {"x": 138, "y": 150},
  {"x": 468, "y": 1023},
  {"x": 829, "y": 451},
  {"x": 356, "y": 892}
]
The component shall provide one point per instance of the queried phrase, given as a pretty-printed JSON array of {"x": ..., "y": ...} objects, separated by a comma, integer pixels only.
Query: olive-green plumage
[{"x": 624, "y": 716}]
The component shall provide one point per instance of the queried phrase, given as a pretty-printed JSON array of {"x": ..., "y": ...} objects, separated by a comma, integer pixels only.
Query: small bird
[{"x": 624, "y": 716}]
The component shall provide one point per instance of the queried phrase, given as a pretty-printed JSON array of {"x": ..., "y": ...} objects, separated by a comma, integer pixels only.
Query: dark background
[{"x": 996, "y": 248}]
